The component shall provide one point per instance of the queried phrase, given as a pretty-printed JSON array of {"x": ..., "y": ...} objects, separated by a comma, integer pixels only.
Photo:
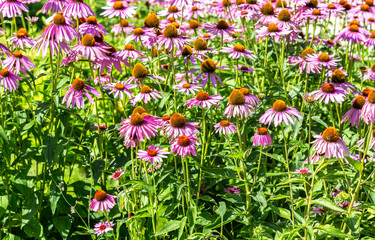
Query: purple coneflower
[
  {"x": 304, "y": 65},
  {"x": 9, "y": 80},
  {"x": 329, "y": 93},
  {"x": 279, "y": 113},
  {"x": 361, "y": 142},
  {"x": 153, "y": 154},
  {"x": 129, "y": 52},
  {"x": 116, "y": 175},
  {"x": 284, "y": 20},
  {"x": 12, "y": 8},
  {"x": 221, "y": 27},
  {"x": 330, "y": 144},
  {"x": 338, "y": 79},
  {"x": 187, "y": 88},
  {"x": 262, "y": 137},
  {"x": 194, "y": 12},
  {"x": 370, "y": 73},
  {"x": 102, "y": 79},
  {"x": 371, "y": 39},
  {"x": 178, "y": 126},
  {"x": 354, "y": 114},
  {"x": 140, "y": 73},
  {"x": 233, "y": 190},
  {"x": 119, "y": 9},
  {"x": 54, "y": 6},
  {"x": 89, "y": 48},
  {"x": 102, "y": 128},
  {"x": 154, "y": 168},
  {"x": 250, "y": 98},
  {"x": 103, "y": 227},
  {"x": 59, "y": 29},
  {"x": 368, "y": 109},
  {"x": 102, "y": 201},
  {"x": 237, "y": 51},
  {"x": 319, "y": 209},
  {"x": 237, "y": 105},
  {"x": 18, "y": 62},
  {"x": 146, "y": 94},
  {"x": 208, "y": 68},
  {"x": 170, "y": 38},
  {"x": 139, "y": 35},
  {"x": 323, "y": 60},
  {"x": 119, "y": 89},
  {"x": 268, "y": 14},
  {"x": 91, "y": 26},
  {"x": 225, "y": 127},
  {"x": 335, "y": 192},
  {"x": 139, "y": 126},
  {"x": 21, "y": 39},
  {"x": 78, "y": 9},
  {"x": 353, "y": 33},
  {"x": 272, "y": 31},
  {"x": 204, "y": 100},
  {"x": 4, "y": 51},
  {"x": 74, "y": 96},
  {"x": 315, "y": 14},
  {"x": 185, "y": 145},
  {"x": 245, "y": 69},
  {"x": 334, "y": 9},
  {"x": 123, "y": 26},
  {"x": 171, "y": 11},
  {"x": 303, "y": 171}
]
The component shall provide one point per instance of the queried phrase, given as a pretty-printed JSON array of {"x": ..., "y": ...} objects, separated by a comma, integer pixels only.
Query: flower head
[{"x": 102, "y": 201}]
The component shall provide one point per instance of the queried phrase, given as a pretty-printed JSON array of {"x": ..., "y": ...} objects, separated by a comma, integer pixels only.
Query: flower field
[{"x": 187, "y": 119}]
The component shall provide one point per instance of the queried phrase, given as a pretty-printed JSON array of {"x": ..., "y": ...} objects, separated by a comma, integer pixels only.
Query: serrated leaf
[{"x": 328, "y": 203}]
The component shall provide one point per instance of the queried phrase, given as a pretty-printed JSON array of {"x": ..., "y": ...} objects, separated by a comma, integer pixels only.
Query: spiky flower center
[
  {"x": 262, "y": 131},
  {"x": 88, "y": 40},
  {"x": 78, "y": 84},
  {"x": 200, "y": 44},
  {"x": 251, "y": 1},
  {"x": 328, "y": 88},
  {"x": 244, "y": 68},
  {"x": 222, "y": 25},
  {"x": 281, "y": 4},
  {"x": 236, "y": 98},
  {"x": 124, "y": 23},
  {"x": 100, "y": 195},
  {"x": 139, "y": 110},
  {"x": 330, "y": 135},
  {"x": 331, "y": 6},
  {"x": 284, "y": 15},
  {"x": 116, "y": 175},
  {"x": 118, "y": 5},
  {"x": 354, "y": 22},
  {"x": 245, "y": 91},
  {"x": 166, "y": 117},
  {"x": 323, "y": 57},
  {"x": 103, "y": 227},
  {"x": 372, "y": 34},
  {"x": 354, "y": 28},
  {"x": 358, "y": 102},
  {"x": 330, "y": 41},
  {"x": 371, "y": 97},
  {"x": 183, "y": 141},
  {"x": 226, "y": 3},
  {"x": 17, "y": 54},
  {"x": 273, "y": 28},
  {"x": 202, "y": 95},
  {"x": 139, "y": 71},
  {"x": 120, "y": 86},
  {"x": 224, "y": 123},
  {"x": 176, "y": 24},
  {"x": 152, "y": 152},
  {"x": 316, "y": 12},
  {"x": 4, "y": 72},
  {"x": 22, "y": 33},
  {"x": 129, "y": 47},
  {"x": 370, "y": 2},
  {"x": 279, "y": 106},
  {"x": 177, "y": 120},
  {"x": 306, "y": 52},
  {"x": 136, "y": 119},
  {"x": 99, "y": 38},
  {"x": 59, "y": 19},
  {"x": 268, "y": 9},
  {"x": 172, "y": 9},
  {"x": 194, "y": 9},
  {"x": 338, "y": 76},
  {"x": 244, "y": 12},
  {"x": 193, "y": 24},
  {"x": 208, "y": 66},
  {"x": 365, "y": 8},
  {"x": 170, "y": 31},
  {"x": 138, "y": 31},
  {"x": 239, "y": 47},
  {"x": 312, "y": 4},
  {"x": 347, "y": 6},
  {"x": 366, "y": 92},
  {"x": 78, "y": 1},
  {"x": 145, "y": 89},
  {"x": 186, "y": 85},
  {"x": 92, "y": 20},
  {"x": 187, "y": 51},
  {"x": 151, "y": 20}
]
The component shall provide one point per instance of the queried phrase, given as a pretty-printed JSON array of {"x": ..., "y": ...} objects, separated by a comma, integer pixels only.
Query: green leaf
[
  {"x": 182, "y": 226},
  {"x": 192, "y": 217},
  {"x": 319, "y": 120},
  {"x": 278, "y": 197},
  {"x": 62, "y": 224},
  {"x": 221, "y": 209},
  {"x": 282, "y": 212},
  {"x": 33, "y": 228},
  {"x": 52, "y": 149},
  {"x": 170, "y": 226},
  {"x": 329, "y": 204},
  {"x": 333, "y": 232},
  {"x": 356, "y": 164}
]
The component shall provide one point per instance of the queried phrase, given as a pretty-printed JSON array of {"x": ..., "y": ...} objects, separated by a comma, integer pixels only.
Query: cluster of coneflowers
[{"x": 179, "y": 38}]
